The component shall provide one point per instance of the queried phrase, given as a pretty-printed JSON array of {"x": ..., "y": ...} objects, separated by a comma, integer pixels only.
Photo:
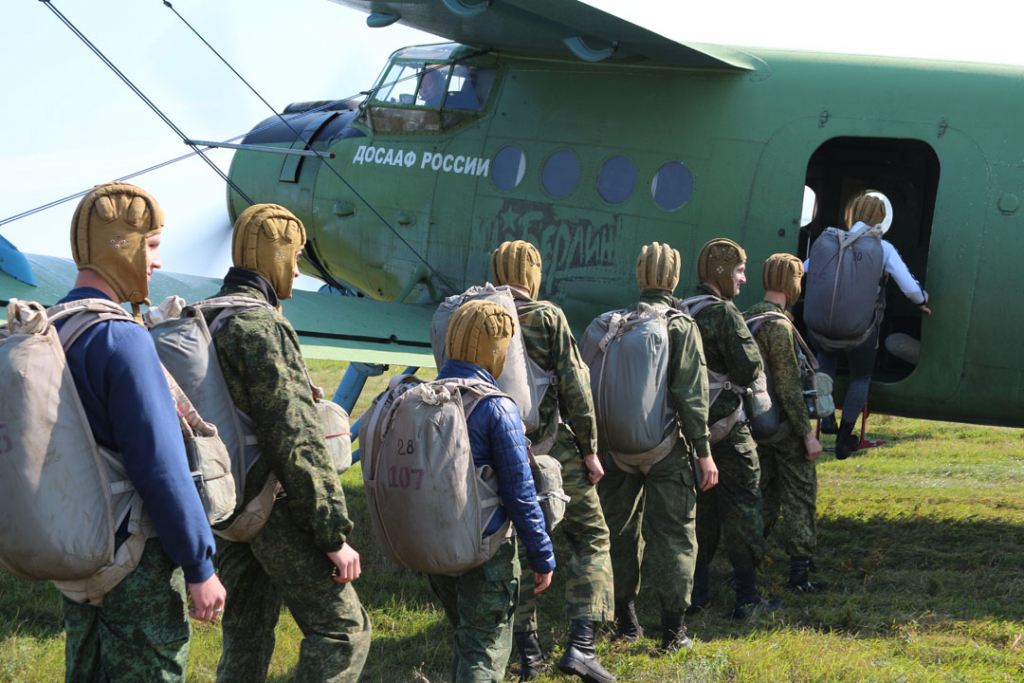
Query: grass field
[{"x": 921, "y": 543}]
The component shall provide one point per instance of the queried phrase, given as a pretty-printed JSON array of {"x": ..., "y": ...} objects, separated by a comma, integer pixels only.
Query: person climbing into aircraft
[
  {"x": 550, "y": 344},
  {"x": 733, "y": 508},
  {"x": 300, "y": 557},
  {"x": 481, "y": 602},
  {"x": 140, "y": 631},
  {"x": 650, "y": 500},
  {"x": 845, "y": 301},
  {"x": 789, "y": 481}
]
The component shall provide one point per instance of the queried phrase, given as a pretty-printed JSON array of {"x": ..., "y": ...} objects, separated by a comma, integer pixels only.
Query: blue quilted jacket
[{"x": 496, "y": 439}]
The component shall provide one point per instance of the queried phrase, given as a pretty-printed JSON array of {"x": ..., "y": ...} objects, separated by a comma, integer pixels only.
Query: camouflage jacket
[
  {"x": 778, "y": 349},
  {"x": 263, "y": 367},
  {"x": 728, "y": 348},
  {"x": 687, "y": 377},
  {"x": 550, "y": 344}
]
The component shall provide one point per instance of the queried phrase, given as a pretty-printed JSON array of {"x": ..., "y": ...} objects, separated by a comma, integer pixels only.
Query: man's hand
[
  {"x": 924, "y": 304},
  {"x": 708, "y": 473},
  {"x": 595, "y": 470},
  {"x": 346, "y": 560},
  {"x": 543, "y": 581},
  {"x": 207, "y": 599},
  {"x": 812, "y": 446}
]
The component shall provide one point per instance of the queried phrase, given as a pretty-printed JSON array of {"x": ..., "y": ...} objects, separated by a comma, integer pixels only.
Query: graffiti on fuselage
[{"x": 572, "y": 246}]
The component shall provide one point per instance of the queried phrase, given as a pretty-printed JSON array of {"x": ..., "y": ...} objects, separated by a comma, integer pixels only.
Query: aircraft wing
[
  {"x": 552, "y": 28},
  {"x": 330, "y": 327}
]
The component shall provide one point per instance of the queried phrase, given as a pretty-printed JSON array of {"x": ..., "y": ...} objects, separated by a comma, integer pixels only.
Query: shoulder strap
[
  {"x": 696, "y": 304},
  {"x": 756, "y": 321},
  {"x": 226, "y": 307},
  {"x": 82, "y": 315}
]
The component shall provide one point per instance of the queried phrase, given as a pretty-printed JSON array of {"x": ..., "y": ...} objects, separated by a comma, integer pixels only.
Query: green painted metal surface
[{"x": 751, "y": 139}]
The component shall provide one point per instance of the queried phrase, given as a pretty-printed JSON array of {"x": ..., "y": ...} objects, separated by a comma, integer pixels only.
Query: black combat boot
[
  {"x": 627, "y": 623},
  {"x": 580, "y": 658},
  {"x": 846, "y": 440},
  {"x": 748, "y": 600},
  {"x": 673, "y": 633},
  {"x": 800, "y": 576},
  {"x": 531, "y": 657},
  {"x": 829, "y": 426},
  {"x": 700, "y": 597}
]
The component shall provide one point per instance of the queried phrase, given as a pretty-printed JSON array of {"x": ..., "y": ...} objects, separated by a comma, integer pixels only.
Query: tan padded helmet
[
  {"x": 479, "y": 333},
  {"x": 108, "y": 235},
  {"x": 517, "y": 264},
  {"x": 865, "y": 208},
  {"x": 268, "y": 239},
  {"x": 717, "y": 261},
  {"x": 782, "y": 273},
  {"x": 657, "y": 267}
]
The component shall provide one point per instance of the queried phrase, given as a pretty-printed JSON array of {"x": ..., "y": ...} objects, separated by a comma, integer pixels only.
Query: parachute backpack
[
  {"x": 628, "y": 355},
  {"x": 522, "y": 379},
  {"x": 63, "y": 496},
  {"x": 817, "y": 386},
  {"x": 755, "y": 403},
  {"x": 844, "y": 302},
  {"x": 185, "y": 346},
  {"x": 429, "y": 503}
]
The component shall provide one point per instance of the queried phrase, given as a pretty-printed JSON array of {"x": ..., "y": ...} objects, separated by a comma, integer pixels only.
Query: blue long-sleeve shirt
[
  {"x": 496, "y": 438},
  {"x": 131, "y": 412}
]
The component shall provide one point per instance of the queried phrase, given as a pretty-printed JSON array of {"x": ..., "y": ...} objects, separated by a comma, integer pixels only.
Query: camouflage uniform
[
  {"x": 666, "y": 544},
  {"x": 733, "y": 507},
  {"x": 588, "y": 585},
  {"x": 789, "y": 481},
  {"x": 286, "y": 562},
  {"x": 144, "y": 615},
  {"x": 474, "y": 602}
]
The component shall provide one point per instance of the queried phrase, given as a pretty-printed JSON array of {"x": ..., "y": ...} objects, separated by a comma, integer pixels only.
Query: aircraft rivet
[{"x": 1009, "y": 203}]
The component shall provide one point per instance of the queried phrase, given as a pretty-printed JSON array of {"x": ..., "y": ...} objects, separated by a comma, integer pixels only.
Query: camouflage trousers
[
  {"x": 141, "y": 631},
  {"x": 789, "y": 485},
  {"x": 480, "y": 605},
  {"x": 733, "y": 508},
  {"x": 652, "y": 523},
  {"x": 588, "y": 571},
  {"x": 282, "y": 566}
]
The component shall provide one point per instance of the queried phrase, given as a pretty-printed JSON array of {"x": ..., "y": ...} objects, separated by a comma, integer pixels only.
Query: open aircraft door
[{"x": 946, "y": 262}]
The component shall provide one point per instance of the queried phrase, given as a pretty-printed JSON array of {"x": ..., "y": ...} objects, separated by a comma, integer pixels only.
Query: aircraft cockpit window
[
  {"x": 561, "y": 173},
  {"x": 426, "y": 96},
  {"x": 508, "y": 168},
  {"x": 399, "y": 85},
  {"x": 672, "y": 185},
  {"x": 617, "y": 180}
]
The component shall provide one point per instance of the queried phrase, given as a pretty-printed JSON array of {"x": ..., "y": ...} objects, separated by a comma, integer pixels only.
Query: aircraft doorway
[{"x": 905, "y": 173}]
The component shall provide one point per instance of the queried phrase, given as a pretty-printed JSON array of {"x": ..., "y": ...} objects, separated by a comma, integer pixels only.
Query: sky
[{"x": 67, "y": 123}]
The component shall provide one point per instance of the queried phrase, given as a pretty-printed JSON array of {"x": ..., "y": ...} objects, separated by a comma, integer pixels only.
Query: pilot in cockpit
[{"x": 431, "y": 89}]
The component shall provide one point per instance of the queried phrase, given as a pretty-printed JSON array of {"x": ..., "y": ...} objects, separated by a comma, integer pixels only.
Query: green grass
[{"x": 921, "y": 543}]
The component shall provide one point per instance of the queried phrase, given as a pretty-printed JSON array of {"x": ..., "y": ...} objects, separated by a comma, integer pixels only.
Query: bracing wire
[
  {"x": 196, "y": 152},
  {"x": 322, "y": 158},
  {"x": 163, "y": 117}
]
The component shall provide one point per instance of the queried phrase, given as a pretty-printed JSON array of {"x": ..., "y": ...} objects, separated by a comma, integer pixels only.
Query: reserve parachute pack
[
  {"x": 184, "y": 342},
  {"x": 844, "y": 302},
  {"x": 755, "y": 401},
  {"x": 770, "y": 428},
  {"x": 429, "y": 503},
  {"x": 628, "y": 355},
  {"x": 522, "y": 379},
  {"x": 63, "y": 496}
]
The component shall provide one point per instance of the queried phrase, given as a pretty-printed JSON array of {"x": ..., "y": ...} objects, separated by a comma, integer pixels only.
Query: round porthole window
[
  {"x": 672, "y": 185},
  {"x": 617, "y": 180},
  {"x": 508, "y": 168},
  {"x": 561, "y": 173}
]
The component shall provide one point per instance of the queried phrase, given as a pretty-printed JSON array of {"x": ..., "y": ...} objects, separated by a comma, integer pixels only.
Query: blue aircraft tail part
[{"x": 14, "y": 263}]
